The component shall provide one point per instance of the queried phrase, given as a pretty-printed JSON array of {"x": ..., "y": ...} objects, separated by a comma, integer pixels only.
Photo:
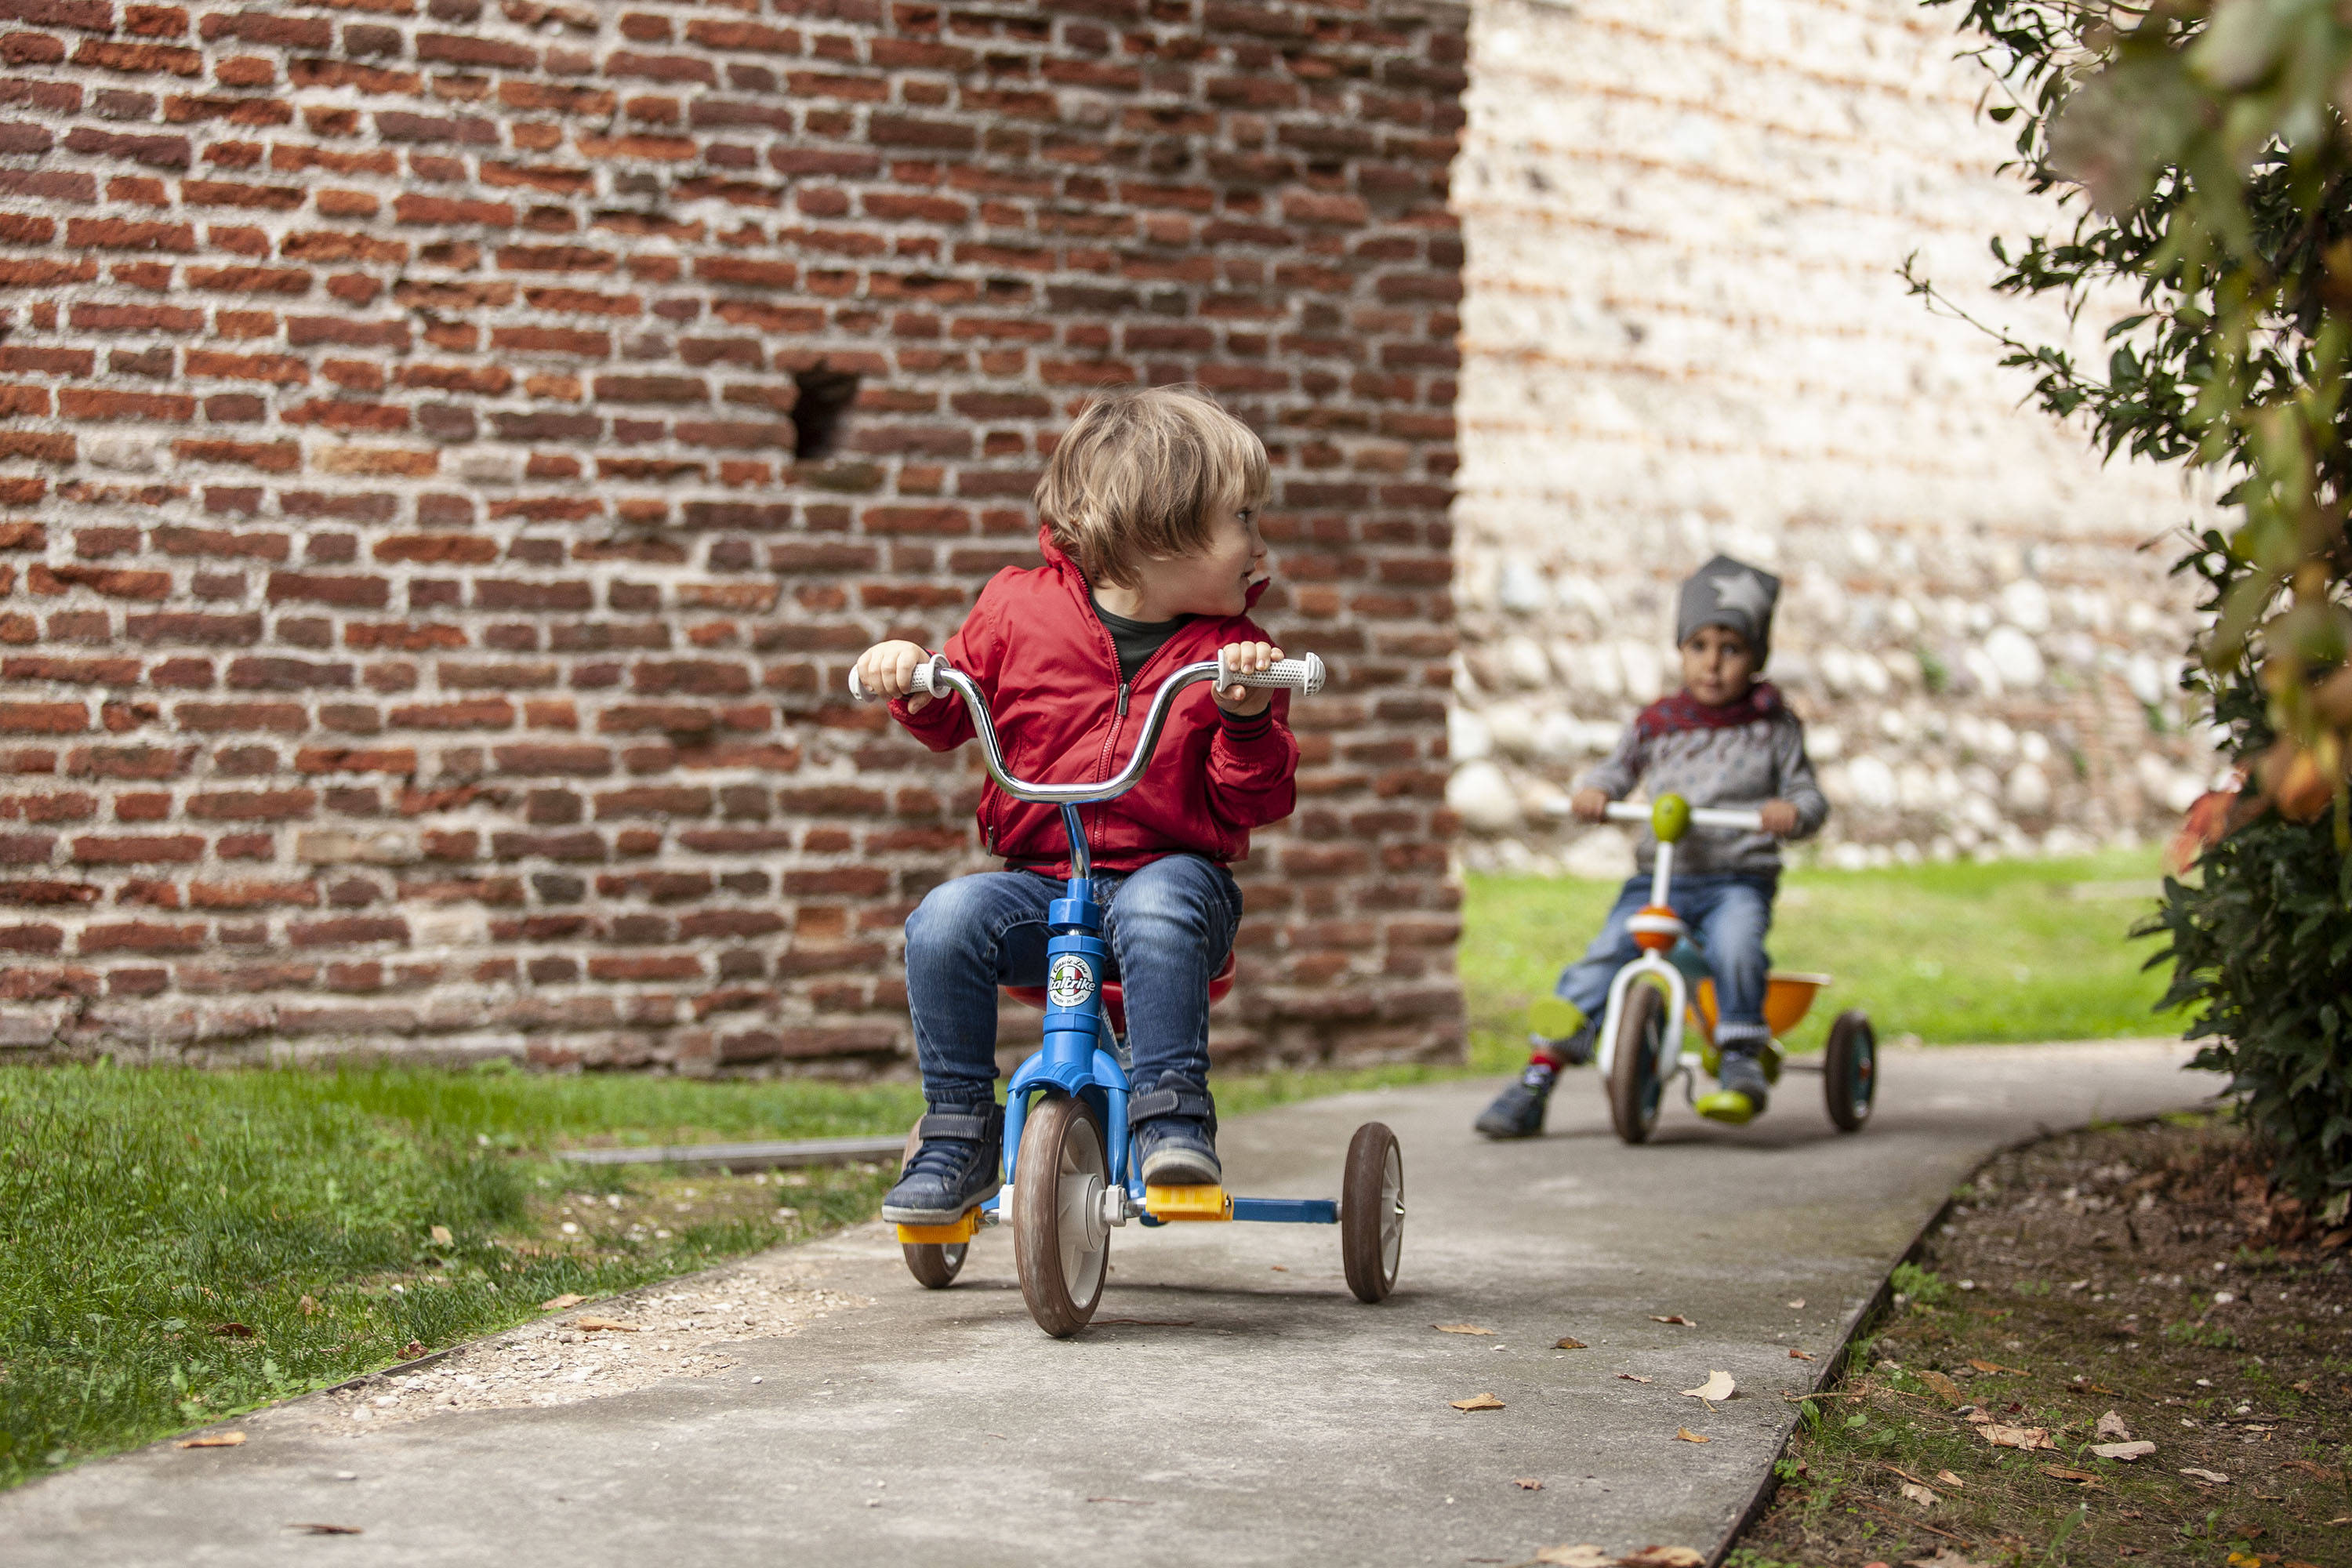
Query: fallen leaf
[
  {"x": 1582, "y": 1555},
  {"x": 1994, "y": 1366},
  {"x": 441, "y": 1235},
  {"x": 1676, "y": 1318},
  {"x": 310, "y": 1306},
  {"x": 231, "y": 1330},
  {"x": 1920, "y": 1495},
  {"x": 2127, "y": 1452},
  {"x": 1279, "y": 1268},
  {"x": 1565, "y": 1343},
  {"x": 411, "y": 1349},
  {"x": 1632, "y": 1377},
  {"x": 1942, "y": 1387},
  {"x": 2214, "y": 1476},
  {"x": 557, "y": 1304},
  {"x": 1979, "y": 1417},
  {"x": 2111, "y": 1429},
  {"x": 1661, "y": 1557},
  {"x": 1718, "y": 1385},
  {"x": 1528, "y": 1484},
  {"x": 2061, "y": 1473},
  {"x": 2026, "y": 1437},
  {"x": 1461, "y": 1329},
  {"x": 214, "y": 1440},
  {"x": 1684, "y": 1434},
  {"x": 328, "y": 1528},
  {"x": 2310, "y": 1468},
  {"x": 1950, "y": 1480},
  {"x": 1477, "y": 1402},
  {"x": 1797, "y": 1305},
  {"x": 602, "y": 1325},
  {"x": 1801, "y": 1356}
]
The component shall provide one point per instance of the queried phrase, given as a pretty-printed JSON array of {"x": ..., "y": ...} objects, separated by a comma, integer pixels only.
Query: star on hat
[{"x": 1743, "y": 592}]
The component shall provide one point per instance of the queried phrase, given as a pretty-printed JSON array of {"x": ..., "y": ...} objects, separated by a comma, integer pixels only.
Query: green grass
[
  {"x": 181, "y": 1245},
  {"x": 1952, "y": 954}
]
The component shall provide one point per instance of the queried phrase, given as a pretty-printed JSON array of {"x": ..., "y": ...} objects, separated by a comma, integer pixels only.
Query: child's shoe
[
  {"x": 1176, "y": 1136},
  {"x": 959, "y": 1164},
  {"x": 1741, "y": 1089},
  {"x": 1518, "y": 1111}
]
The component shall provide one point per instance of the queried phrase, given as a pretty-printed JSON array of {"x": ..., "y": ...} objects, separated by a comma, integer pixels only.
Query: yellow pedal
[
  {"x": 1188, "y": 1203},
  {"x": 961, "y": 1230}
]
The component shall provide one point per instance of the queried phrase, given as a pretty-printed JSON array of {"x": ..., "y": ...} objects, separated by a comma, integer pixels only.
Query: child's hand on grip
[
  {"x": 1589, "y": 804},
  {"x": 1255, "y": 658},
  {"x": 887, "y": 669},
  {"x": 1779, "y": 818}
]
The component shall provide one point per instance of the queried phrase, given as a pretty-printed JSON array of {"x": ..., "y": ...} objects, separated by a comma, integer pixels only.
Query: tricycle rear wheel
[
  {"x": 1061, "y": 1242},
  {"x": 1372, "y": 1212},
  {"x": 934, "y": 1264},
  {"x": 1850, "y": 1069},
  {"x": 1634, "y": 1085}
]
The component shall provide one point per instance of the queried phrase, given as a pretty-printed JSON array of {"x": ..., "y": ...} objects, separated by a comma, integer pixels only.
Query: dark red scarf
[{"x": 1681, "y": 711}]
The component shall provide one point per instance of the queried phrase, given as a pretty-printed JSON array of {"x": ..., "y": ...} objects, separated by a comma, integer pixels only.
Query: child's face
[
  {"x": 1216, "y": 582},
  {"x": 1718, "y": 666}
]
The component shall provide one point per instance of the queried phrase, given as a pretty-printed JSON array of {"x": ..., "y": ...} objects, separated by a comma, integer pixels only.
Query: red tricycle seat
[{"x": 1114, "y": 1004}]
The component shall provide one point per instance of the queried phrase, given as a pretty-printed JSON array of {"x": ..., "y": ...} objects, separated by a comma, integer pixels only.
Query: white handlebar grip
[
  {"x": 1303, "y": 674},
  {"x": 921, "y": 680},
  {"x": 857, "y": 692}
]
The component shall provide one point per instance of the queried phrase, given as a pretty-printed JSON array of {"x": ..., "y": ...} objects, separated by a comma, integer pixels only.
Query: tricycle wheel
[
  {"x": 1634, "y": 1086},
  {"x": 1372, "y": 1212},
  {"x": 933, "y": 1264},
  {"x": 1060, "y": 1240},
  {"x": 1850, "y": 1069}
]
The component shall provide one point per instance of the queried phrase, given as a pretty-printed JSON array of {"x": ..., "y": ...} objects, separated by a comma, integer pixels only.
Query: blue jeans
[
  {"x": 1727, "y": 915},
  {"x": 1168, "y": 926}
]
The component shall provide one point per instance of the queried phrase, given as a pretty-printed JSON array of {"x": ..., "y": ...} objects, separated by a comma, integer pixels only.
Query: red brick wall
[{"x": 418, "y": 631}]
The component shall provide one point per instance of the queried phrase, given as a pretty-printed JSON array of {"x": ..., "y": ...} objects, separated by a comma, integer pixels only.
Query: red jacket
[{"x": 1035, "y": 645}]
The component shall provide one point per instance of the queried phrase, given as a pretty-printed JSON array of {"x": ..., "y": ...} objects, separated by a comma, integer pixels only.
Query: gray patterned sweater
[{"x": 1736, "y": 765}]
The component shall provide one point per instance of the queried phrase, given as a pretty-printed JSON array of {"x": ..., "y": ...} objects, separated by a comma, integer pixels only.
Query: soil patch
[{"x": 2121, "y": 1286}]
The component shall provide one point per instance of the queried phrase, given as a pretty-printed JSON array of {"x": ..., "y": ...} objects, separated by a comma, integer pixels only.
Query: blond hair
[{"x": 1143, "y": 474}]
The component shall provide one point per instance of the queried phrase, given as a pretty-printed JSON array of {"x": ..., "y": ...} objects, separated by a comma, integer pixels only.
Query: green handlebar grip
[{"x": 1669, "y": 817}]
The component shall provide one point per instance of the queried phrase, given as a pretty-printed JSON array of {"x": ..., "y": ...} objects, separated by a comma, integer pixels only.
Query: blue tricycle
[{"x": 1068, "y": 1154}]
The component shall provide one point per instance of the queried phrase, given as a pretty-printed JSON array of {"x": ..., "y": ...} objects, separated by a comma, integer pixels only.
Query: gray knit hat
[{"x": 1727, "y": 592}]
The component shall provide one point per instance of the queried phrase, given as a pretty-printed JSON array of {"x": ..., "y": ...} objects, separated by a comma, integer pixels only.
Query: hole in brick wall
[{"x": 821, "y": 410}]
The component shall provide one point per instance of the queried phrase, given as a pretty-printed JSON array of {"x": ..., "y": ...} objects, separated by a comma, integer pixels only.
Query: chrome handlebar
[{"x": 935, "y": 677}]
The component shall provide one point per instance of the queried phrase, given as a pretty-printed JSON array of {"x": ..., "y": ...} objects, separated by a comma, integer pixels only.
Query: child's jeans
[
  {"x": 1168, "y": 926},
  {"x": 1727, "y": 916}
]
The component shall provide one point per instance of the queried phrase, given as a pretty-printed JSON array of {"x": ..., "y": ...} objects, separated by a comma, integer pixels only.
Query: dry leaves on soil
[
  {"x": 1949, "y": 1479},
  {"x": 1684, "y": 1434},
  {"x": 2111, "y": 1429},
  {"x": 1921, "y": 1494},
  {"x": 1528, "y": 1484},
  {"x": 1718, "y": 1385},
  {"x": 2061, "y": 1473},
  {"x": 2125, "y": 1452},
  {"x": 1942, "y": 1387},
  {"x": 1801, "y": 1356},
  {"x": 213, "y": 1440},
  {"x": 1995, "y": 1367},
  {"x": 1565, "y": 1343},
  {"x": 606, "y": 1325},
  {"x": 1460, "y": 1328},
  {"x": 2212, "y": 1477},
  {"x": 2025, "y": 1437},
  {"x": 558, "y": 1303},
  {"x": 1674, "y": 1318},
  {"x": 1661, "y": 1557},
  {"x": 441, "y": 1235},
  {"x": 1477, "y": 1402},
  {"x": 1631, "y": 1377},
  {"x": 1584, "y": 1555}
]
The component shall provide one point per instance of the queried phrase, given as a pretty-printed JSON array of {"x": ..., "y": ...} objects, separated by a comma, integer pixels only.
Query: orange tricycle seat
[
  {"x": 1114, "y": 1001},
  {"x": 1787, "y": 999}
]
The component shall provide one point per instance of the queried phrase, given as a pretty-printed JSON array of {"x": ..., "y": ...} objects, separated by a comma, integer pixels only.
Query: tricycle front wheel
[
  {"x": 1061, "y": 1242},
  {"x": 1372, "y": 1212},
  {"x": 1634, "y": 1085}
]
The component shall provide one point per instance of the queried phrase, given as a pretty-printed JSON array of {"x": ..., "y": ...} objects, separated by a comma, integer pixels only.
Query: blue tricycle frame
[{"x": 1063, "y": 1199}]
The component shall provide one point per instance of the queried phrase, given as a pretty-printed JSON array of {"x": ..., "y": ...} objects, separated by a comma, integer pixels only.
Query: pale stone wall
[{"x": 1685, "y": 332}]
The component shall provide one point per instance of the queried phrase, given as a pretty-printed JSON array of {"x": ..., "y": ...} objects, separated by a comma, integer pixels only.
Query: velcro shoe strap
[
  {"x": 1189, "y": 1102},
  {"x": 969, "y": 1127}
]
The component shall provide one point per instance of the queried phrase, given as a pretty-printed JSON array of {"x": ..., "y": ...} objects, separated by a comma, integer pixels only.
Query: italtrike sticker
[{"x": 1069, "y": 981}]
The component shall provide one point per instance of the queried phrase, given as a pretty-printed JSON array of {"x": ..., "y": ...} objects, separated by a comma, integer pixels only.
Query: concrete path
[{"x": 1247, "y": 1411}]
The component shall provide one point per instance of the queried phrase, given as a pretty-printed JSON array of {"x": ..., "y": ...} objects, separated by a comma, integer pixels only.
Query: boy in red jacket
[{"x": 1152, "y": 558}]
